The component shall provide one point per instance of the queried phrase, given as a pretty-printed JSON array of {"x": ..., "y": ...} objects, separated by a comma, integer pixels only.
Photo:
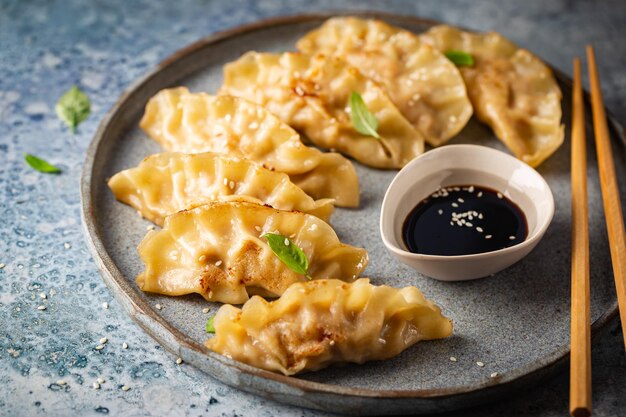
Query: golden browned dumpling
[
  {"x": 169, "y": 182},
  {"x": 427, "y": 88},
  {"x": 197, "y": 122},
  {"x": 218, "y": 251},
  {"x": 312, "y": 94},
  {"x": 511, "y": 90},
  {"x": 315, "y": 324}
]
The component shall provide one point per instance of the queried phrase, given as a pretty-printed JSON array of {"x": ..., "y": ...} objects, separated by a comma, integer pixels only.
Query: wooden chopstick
[
  {"x": 610, "y": 193},
  {"x": 580, "y": 359}
]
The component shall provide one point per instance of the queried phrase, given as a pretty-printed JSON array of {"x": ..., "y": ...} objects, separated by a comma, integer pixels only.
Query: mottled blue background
[{"x": 102, "y": 46}]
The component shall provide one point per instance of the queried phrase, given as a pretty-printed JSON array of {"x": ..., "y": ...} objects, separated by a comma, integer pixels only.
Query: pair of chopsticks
[{"x": 580, "y": 360}]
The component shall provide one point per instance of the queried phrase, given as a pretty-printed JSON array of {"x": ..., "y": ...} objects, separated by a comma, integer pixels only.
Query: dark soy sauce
[{"x": 464, "y": 219}]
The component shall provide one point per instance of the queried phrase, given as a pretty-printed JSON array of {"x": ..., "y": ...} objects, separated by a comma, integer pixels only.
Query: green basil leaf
[
  {"x": 363, "y": 120},
  {"x": 289, "y": 253},
  {"x": 40, "y": 165},
  {"x": 209, "y": 325},
  {"x": 73, "y": 107},
  {"x": 460, "y": 58}
]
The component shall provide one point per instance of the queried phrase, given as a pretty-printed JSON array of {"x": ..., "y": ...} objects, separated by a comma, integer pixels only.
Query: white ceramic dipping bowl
[{"x": 465, "y": 165}]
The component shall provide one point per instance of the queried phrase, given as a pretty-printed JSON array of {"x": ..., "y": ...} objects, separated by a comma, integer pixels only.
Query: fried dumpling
[
  {"x": 169, "y": 182},
  {"x": 427, "y": 88},
  {"x": 512, "y": 91},
  {"x": 218, "y": 251},
  {"x": 197, "y": 122},
  {"x": 315, "y": 324},
  {"x": 311, "y": 93}
]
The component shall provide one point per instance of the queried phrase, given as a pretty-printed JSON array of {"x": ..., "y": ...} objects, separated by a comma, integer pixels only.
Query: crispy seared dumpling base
[
  {"x": 427, "y": 88},
  {"x": 217, "y": 251},
  {"x": 315, "y": 324},
  {"x": 311, "y": 93},
  {"x": 169, "y": 182},
  {"x": 197, "y": 122},
  {"x": 512, "y": 91}
]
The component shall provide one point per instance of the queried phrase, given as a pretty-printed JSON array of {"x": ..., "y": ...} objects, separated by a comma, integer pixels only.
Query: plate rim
[{"x": 177, "y": 342}]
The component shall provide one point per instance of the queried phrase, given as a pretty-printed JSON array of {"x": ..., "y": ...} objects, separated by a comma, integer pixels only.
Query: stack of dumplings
[{"x": 238, "y": 168}]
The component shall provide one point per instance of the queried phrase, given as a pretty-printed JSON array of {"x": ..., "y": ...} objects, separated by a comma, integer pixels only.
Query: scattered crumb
[
  {"x": 42, "y": 295},
  {"x": 61, "y": 382},
  {"x": 105, "y": 306},
  {"x": 179, "y": 361},
  {"x": 67, "y": 245},
  {"x": 95, "y": 385},
  {"x": 124, "y": 345},
  {"x": 158, "y": 306}
]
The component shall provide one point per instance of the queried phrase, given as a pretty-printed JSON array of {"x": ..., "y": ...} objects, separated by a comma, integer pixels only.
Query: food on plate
[
  {"x": 313, "y": 94},
  {"x": 512, "y": 91},
  {"x": 315, "y": 324},
  {"x": 427, "y": 88},
  {"x": 197, "y": 122},
  {"x": 220, "y": 251},
  {"x": 169, "y": 182}
]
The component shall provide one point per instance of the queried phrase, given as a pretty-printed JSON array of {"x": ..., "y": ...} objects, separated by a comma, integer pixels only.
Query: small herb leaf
[
  {"x": 40, "y": 165},
  {"x": 73, "y": 107},
  {"x": 289, "y": 253},
  {"x": 209, "y": 325},
  {"x": 363, "y": 120},
  {"x": 460, "y": 58}
]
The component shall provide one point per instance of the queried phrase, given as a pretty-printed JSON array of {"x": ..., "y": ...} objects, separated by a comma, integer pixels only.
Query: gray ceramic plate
[{"x": 516, "y": 323}]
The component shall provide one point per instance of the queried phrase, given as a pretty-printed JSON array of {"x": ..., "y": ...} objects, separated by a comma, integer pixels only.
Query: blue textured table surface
[{"x": 48, "y": 357}]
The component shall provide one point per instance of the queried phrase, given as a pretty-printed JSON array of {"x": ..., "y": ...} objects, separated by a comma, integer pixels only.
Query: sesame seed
[
  {"x": 95, "y": 385},
  {"x": 382, "y": 341},
  {"x": 480, "y": 364},
  {"x": 124, "y": 345},
  {"x": 253, "y": 125},
  {"x": 451, "y": 224},
  {"x": 99, "y": 347},
  {"x": 179, "y": 361},
  {"x": 471, "y": 189},
  {"x": 468, "y": 224},
  {"x": 480, "y": 216},
  {"x": 480, "y": 194},
  {"x": 41, "y": 308},
  {"x": 43, "y": 295},
  {"x": 455, "y": 205},
  {"x": 332, "y": 343},
  {"x": 493, "y": 374},
  {"x": 500, "y": 195},
  {"x": 101, "y": 381},
  {"x": 158, "y": 306},
  {"x": 453, "y": 359},
  {"x": 227, "y": 117},
  {"x": 313, "y": 227},
  {"x": 225, "y": 181},
  {"x": 67, "y": 245},
  {"x": 218, "y": 263},
  {"x": 488, "y": 237},
  {"x": 440, "y": 212},
  {"x": 456, "y": 188},
  {"x": 205, "y": 310},
  {"x": 150, "y": 227},
  {"x": 2, "y": 265},
  {"x": 61, "y": 382},
  {"x": 125, "y": 387},
  {"x": 257, "y": 228},
  {"x": 511, "y": 237},
  {"x": 202, "y": 258},
  {"x": 460, "y": 200},
  {"x": 105, "y": 306},
  {"x": 103, "y": 340},
  {"x": 479, "y": 229},
  {"x": 286, "y": 242},
  {"x": 231, "y": 185}
]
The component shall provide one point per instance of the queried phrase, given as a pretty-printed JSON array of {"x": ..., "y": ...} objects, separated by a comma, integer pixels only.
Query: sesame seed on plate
[
  {"x": 41, "y": 308},
  {"x": 2, "y": 265},
  {"x": 103, "y": 340},
  {"x": 66, "y": 245},
  {"x": 488, "y": 237},
  {"x": 479, "y": 363},
  {"x": 101, "y": 381},
  {"x": 158, "y": 306},
  {"x": 205, "y": 310},
  {"x": 454, "y": 205},
  {"x": 479, "y": 229},
  {"x": 124, "y": 345},
  {"x": 453, "y": 359},
  {"x": 480, "y": 194},
  {"x": 460, "y": 200},
  {"x": 105, "y": 306},
  {"x": 61, "y": 382},
  {"x": 500, "y": 195},
  {"x": 99, "y": 347},
  {"x": 440, "y": 212},
  {"x": 511, "y": 237},
  {"x": 179, "y": 361},
  {"x": 43, "y": 295},
  {"x": 150, "y": 227},
  {"x": 468, "y": 224},
  {"x": 95, "y": 385},
  {"x": 125, "y": 387},
  {"x": 493, "y": 374},
  {"x": 471, "y": 189}
]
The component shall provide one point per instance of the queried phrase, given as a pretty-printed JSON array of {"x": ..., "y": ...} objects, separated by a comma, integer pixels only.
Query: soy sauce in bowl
[{"x": 464, "y": 220}]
